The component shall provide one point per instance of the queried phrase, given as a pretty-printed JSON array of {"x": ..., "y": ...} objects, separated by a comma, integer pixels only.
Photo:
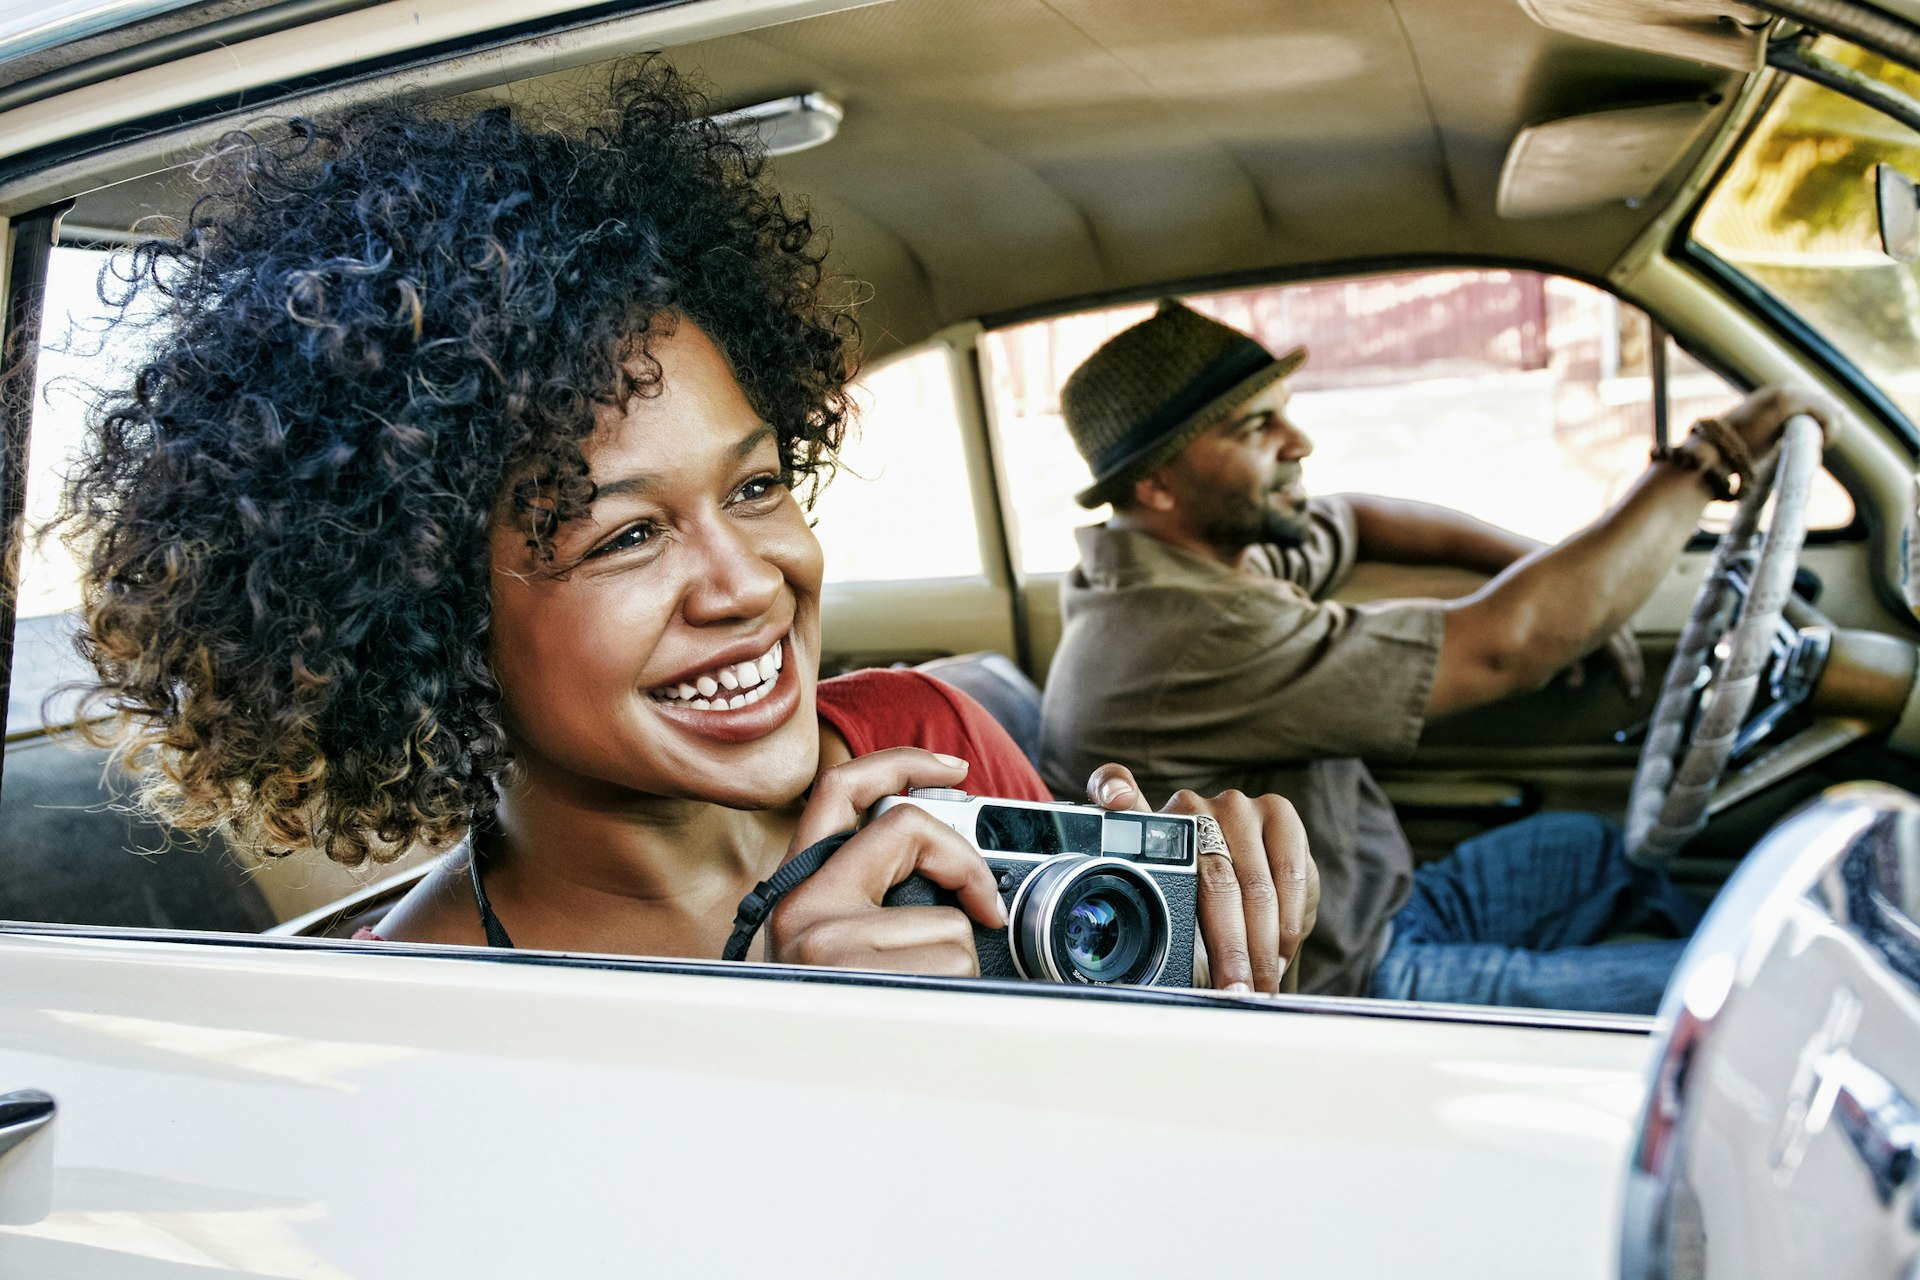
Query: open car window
[
  {"x": 892, "y": 512},
  {"x": 1794, "y": 213},
  {"x": 1442, "y": 386},
  {"x": 84, "y": 853}
]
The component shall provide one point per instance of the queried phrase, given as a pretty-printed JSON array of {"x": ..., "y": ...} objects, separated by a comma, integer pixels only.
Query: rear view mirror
[{"x": 1899, "y": 213}]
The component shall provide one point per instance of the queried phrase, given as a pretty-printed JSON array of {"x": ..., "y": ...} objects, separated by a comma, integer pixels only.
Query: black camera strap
[{"x": 759, "y": 904}]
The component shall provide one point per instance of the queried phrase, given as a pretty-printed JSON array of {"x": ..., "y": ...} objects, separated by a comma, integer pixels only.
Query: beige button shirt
[{"x": 1208, "y": 678}]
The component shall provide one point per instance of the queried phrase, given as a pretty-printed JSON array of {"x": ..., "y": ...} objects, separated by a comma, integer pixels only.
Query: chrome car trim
[
  {"x": 1538, "y": 1019},
  {"x": 148, "y": 45},
  {"x": 1851, "y": 861},
  {"x": 22, "y": 1114},
  {"x": 399, "y": 57},
  {"x": 76, "y": 20},
  {"x": 1879, "y": 1120}
]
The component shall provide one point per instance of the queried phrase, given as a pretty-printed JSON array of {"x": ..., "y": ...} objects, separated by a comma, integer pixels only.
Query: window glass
[
  {"x": 78, "y": 352},
  {"x": 1522, "y": 398},
  {"x": 1795, "y": 213},
  {"x": 76, "y": 852},
  {"x": 900, "y": 506}
]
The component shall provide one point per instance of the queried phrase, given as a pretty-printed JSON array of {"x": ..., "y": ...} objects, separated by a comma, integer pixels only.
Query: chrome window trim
[
  {"x": 76, "y": 20},
  {"x": 126, "y": 49},
  {"x": 185, "y": 121},
  {"x": 1399, "y": 1011}
]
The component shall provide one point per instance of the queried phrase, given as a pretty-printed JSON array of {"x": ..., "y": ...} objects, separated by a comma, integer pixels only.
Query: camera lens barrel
[{"x": 1095, "y": 920}]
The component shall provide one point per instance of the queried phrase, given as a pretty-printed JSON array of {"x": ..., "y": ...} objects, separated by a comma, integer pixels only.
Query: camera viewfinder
[{"x": 1163, "y": 841}]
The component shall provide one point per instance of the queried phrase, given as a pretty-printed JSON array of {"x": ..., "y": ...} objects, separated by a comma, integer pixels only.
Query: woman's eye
[
  {"x": 759, "y": 487},
  {"x": 635, "y": 535}
]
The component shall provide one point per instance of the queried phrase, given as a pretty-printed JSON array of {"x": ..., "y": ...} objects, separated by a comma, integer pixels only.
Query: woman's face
[{"x": 692, "y": 585}]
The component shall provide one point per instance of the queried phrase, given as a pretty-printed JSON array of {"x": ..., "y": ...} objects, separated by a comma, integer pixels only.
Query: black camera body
[{"x": 1093, "y": 896}]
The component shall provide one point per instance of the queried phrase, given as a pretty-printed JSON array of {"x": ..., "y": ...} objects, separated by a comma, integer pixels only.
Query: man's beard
[{"x": 1241, "y": 521}]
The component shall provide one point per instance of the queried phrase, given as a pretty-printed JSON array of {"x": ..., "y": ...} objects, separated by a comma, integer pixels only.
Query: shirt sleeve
[
  {"x": 1280, "y": 677},
  {"x": 877, "y": 709}
]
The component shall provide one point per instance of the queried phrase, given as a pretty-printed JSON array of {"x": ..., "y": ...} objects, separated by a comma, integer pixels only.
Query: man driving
[{"x": 1200, "y": 643}]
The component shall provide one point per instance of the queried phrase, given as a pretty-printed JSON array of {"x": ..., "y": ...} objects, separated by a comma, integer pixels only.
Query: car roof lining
[{"x": 997, "y": 156}]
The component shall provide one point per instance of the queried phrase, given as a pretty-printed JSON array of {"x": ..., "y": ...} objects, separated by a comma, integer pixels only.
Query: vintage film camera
[{"x": 1092, "y": 896}]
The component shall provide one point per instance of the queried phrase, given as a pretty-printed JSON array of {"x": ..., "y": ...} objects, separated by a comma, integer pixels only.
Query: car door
[{"x": 223, "y": 1104}]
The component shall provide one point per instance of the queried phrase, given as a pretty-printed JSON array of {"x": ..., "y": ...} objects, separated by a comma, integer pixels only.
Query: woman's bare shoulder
[{"x": 440, "y": 908}]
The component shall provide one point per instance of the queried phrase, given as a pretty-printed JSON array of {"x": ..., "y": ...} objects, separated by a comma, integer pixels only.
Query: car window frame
[
  {"x": 680, "y": 966},
  {"x": 1702, "y": 539},
  {"x": 1770, "y": 312}
]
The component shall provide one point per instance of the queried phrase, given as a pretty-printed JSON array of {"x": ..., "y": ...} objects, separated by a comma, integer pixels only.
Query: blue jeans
[{"x": 1511, "y": 916}]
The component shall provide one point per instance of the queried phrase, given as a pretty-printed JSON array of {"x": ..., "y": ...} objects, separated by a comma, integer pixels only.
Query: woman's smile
[{"x": 733, "y": 701}]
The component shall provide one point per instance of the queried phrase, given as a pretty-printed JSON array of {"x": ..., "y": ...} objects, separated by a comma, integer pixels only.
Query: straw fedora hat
[{"x": 1151, "y": 389}]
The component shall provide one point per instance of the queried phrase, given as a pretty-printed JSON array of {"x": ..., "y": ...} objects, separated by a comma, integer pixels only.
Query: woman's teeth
[{"x": 738, "y": 684}]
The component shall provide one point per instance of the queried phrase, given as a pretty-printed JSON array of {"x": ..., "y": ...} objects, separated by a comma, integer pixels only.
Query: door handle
[
  {"x": 1883, "y": 1126},
  {"x": 22, "y": 1112}
]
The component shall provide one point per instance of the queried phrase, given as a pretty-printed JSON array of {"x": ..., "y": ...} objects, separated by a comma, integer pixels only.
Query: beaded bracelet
[{"x": 1733, "y": 449}]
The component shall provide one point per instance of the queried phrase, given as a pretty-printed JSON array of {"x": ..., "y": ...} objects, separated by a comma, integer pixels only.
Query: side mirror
[
  {"x": 1898, "y": 204},
  {"x": 1780, "y": 1137}
]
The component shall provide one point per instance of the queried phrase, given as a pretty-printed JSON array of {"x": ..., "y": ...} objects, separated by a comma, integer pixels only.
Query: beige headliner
[{"x": 1001, "y": 156}]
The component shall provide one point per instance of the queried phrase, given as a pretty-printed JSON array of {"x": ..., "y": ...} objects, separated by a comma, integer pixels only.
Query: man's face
[{"x": 1239, "y": 482}]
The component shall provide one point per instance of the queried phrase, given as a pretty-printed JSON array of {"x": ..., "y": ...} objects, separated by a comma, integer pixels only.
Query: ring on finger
[{"x": 1212, "y": 838}]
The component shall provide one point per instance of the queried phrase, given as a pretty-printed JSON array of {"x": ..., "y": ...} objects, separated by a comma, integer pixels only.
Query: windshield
[{"x": 1794, "y": 212}]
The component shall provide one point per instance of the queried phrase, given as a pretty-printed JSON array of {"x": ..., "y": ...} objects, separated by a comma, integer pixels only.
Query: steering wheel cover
[{"x": 1668, "y": 804}]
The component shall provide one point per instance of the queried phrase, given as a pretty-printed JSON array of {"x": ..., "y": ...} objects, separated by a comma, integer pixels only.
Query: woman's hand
[
  {"x": 835, "y": 917},
  {"x": 1256, "y": 905}
]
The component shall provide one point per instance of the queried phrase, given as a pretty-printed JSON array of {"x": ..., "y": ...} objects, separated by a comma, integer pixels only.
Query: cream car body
[{"x": 306, "y": 1107}]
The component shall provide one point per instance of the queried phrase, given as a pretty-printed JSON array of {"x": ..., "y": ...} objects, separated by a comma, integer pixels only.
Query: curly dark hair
[{"x": 380, "y": 334}]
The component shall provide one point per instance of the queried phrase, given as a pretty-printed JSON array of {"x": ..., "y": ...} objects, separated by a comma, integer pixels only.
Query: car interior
[{"x": 1524, "y": 241}]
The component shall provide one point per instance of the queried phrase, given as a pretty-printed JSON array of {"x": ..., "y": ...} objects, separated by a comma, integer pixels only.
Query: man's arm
[
  {"x": 1400, "y": 531},
  {"x": 1556, "y": 605}
]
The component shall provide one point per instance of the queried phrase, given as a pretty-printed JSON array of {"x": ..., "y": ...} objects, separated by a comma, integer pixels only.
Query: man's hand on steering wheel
[
  {"x": 1259, "y": 898},
  {"x": 1759, "y": 419},
  {"x": 1704, "y": 699}
]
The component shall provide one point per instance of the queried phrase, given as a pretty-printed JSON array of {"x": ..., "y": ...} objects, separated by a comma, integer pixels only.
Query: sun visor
[
  {"x": 1580, "y": 162},
  {"x": 1717, "y": 33}
]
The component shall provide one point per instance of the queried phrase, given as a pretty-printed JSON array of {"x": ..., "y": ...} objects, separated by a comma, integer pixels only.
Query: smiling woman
[{"x": 463, "y": 503}]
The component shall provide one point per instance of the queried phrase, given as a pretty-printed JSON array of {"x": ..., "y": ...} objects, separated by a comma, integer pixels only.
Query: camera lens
[
  {"x": 1094, "y": 920},
  {"x": 1105, "y": 930}
]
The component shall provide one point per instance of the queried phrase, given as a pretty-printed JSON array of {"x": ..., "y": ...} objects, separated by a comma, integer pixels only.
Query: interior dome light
[{"x": 788, "y": 124}]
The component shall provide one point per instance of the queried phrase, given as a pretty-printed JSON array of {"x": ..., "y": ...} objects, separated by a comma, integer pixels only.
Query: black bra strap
[{"x": 496, "y": 932}]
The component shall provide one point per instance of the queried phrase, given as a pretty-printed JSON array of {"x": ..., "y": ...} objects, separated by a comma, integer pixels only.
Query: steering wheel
[{"x": 1668, "y": 804}]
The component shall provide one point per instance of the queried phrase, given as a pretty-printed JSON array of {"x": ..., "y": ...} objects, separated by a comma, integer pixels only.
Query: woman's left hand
[{"x": 1257, "y": 902}]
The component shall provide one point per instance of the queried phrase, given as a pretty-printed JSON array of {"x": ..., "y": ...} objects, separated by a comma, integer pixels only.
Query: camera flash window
[{"x": 1121, "y": 838}]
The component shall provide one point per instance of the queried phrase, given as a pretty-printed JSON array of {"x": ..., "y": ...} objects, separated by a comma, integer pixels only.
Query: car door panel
[
  {"x": 878, "y": 624},
  {"x": 325, "y": 1111}
]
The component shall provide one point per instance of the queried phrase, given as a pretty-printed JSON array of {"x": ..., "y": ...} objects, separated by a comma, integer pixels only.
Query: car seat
[{"x": 992, "y": 680}]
